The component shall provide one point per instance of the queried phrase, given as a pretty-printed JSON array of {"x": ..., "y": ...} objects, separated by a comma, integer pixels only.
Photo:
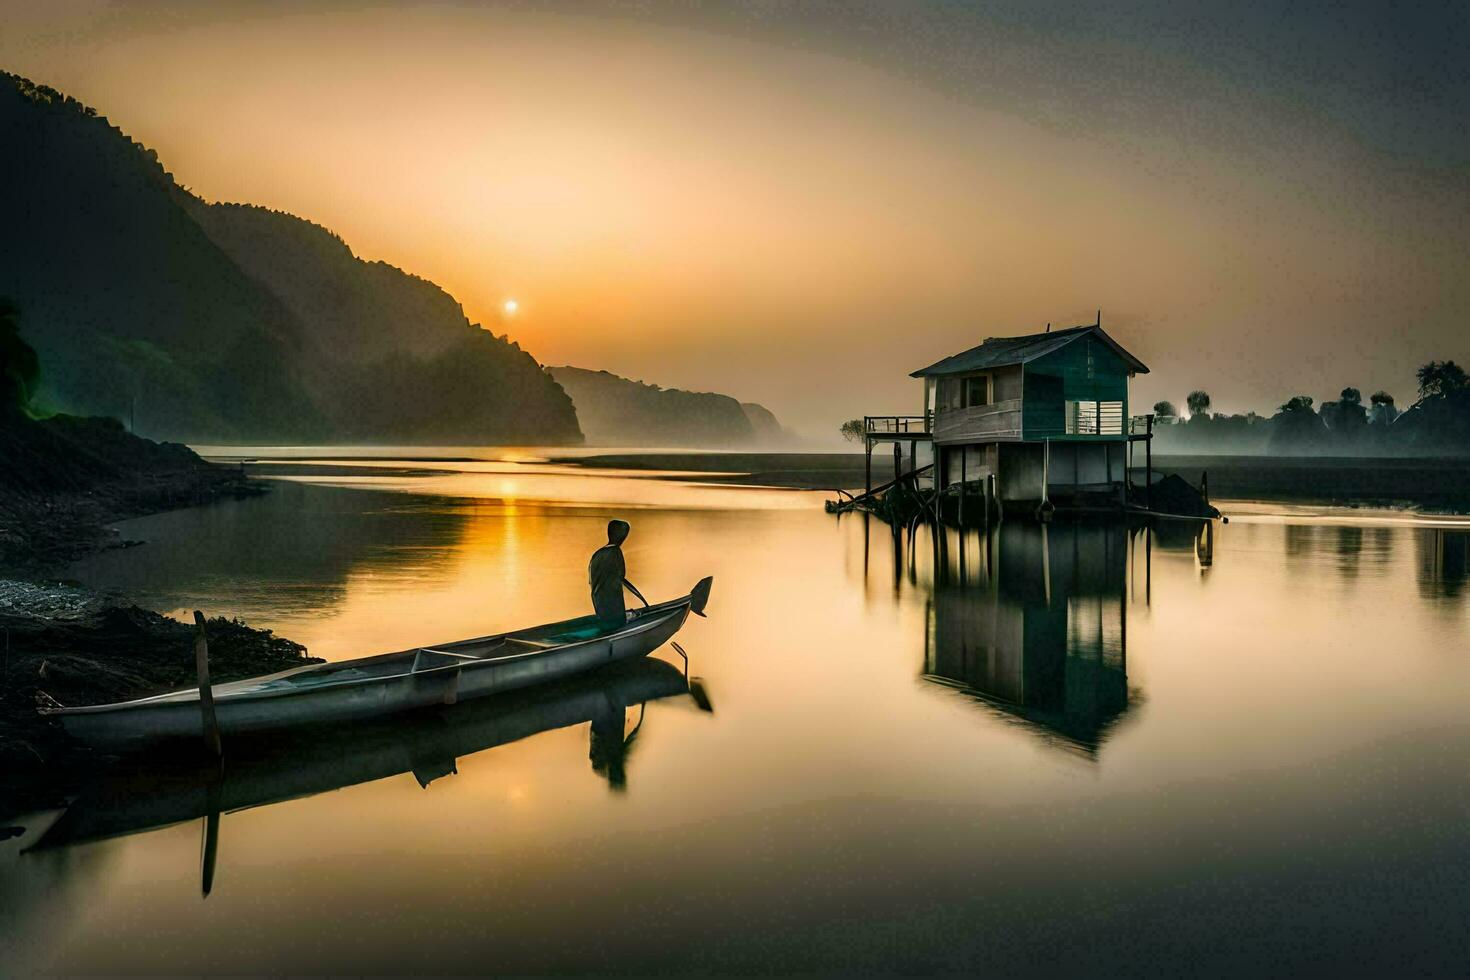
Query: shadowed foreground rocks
[
  {"x": 71, "y": 645},
  {"x": 63, "y": 479}
]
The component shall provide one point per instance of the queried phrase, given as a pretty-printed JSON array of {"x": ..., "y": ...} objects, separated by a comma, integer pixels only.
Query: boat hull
[
  {"x": 134, "y": 723},
  {"x": 165, "y": 788}
]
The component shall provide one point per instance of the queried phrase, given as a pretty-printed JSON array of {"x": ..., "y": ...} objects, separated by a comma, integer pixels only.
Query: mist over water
[{"x": 1033, "y": 750}]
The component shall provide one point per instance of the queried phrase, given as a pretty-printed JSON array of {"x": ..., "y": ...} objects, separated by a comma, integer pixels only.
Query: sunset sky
[{"x": 799, "y": 204}]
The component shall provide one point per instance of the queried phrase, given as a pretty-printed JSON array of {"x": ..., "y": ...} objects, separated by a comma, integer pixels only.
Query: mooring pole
[
  {"x": 206, "y": 693},
  {"x": 209, "y": 857}
]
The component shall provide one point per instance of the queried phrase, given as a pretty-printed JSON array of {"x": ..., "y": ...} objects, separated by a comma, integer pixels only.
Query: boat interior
[
  {"x": 519, "y": 643},
  {"x": 534, "y": 640}
]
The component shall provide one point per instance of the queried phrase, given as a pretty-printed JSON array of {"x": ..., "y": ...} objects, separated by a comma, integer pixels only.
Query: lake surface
[{"x": 1087, "y": 748}]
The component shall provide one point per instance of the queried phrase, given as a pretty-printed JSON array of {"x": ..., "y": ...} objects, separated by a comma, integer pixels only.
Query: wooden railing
[
  {"x": 1000, "y": 422},
  {"x": 896, "y": 424}
]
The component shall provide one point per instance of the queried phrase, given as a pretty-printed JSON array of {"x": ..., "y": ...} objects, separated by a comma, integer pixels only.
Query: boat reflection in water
[
  {"x": 148, "y": 793},
  {"x": 1032, "y": 620}
]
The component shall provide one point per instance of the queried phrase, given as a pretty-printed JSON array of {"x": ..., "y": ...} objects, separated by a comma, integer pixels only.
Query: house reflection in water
[
  {"x": 1032, "y": 620},
  {"x": 1444, "y": 562}
]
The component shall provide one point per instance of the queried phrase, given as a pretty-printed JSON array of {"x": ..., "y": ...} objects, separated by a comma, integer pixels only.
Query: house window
[
  {"x": 950, "y": 394},
  {"x": 977, "y": 391},
  {"x": 1094, "y": 418}
]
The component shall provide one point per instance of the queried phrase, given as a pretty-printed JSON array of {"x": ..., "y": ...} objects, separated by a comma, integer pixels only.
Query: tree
[
  {"x": 1382, "y": 410},
  {"x": 1441, "y": 378},
  {"x": 852, "y": 430},
  {"x": 20, "y": 368},
  {"x": 1296, "y": 429},
  {"x": 1346, "y": 415},
  {"x": 1198, "y": 402},
  {"x": 1165, "y": 411},
  {"x": 1298, "y": 404}
]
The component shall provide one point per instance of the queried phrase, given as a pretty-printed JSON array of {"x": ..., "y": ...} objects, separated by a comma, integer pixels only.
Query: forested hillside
[
  {"x": 218, "y": 323},
  {"x": 615, "y": 411}
]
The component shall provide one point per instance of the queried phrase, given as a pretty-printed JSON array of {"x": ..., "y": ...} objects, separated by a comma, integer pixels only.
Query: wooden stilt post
[
  {"x": 206, "y": 693},
  {"x": 964, "y": 451},
  {"x": 1045, "y": 508},
  {"x": 897, "y": 460},
  {"x": 1148, "y": 564},
  {"x": 1123, "y": 484},
  {"x": 867, "y": 464},
  {"x": 1148, "y": 462},
  {"x": 1045, "y": 566}
]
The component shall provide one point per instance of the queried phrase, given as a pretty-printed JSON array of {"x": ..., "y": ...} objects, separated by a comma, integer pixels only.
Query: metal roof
[{"x": 1005, "y": 351}]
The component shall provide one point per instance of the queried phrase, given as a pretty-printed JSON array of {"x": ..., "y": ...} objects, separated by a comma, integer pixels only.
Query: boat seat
[
  {"x": 518, "y": 644},
  {"x": 428, "y": 659}
]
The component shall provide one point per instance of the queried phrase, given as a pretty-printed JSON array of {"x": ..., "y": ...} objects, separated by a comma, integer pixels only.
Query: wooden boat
[
  {"x": 390, "y": 682},
  {"x": 161, "y": 789}
]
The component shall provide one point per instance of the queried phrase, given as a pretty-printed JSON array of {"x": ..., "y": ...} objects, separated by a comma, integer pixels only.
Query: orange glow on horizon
[{"x": 791, "y": 225}]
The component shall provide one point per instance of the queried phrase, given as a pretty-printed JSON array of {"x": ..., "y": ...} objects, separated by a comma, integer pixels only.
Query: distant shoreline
[
  {"x": 1431, "y": 485},
  {"x": 792, "y": 471}
]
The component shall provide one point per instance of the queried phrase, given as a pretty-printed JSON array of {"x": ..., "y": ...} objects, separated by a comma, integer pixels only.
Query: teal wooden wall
[{"x": 1084, "y": 370}]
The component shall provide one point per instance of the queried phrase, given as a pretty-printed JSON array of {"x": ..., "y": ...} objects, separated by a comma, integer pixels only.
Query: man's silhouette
[{"x": 606, "y": 574}]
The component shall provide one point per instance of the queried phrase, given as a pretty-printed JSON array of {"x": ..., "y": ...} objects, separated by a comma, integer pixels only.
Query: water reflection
[
  {"x": 1444, "y": 562},
  {"x": 842, "y": 808},
  {"x": 145, "y": 794},
  {"x": 295, "y": 549},
  {"x": 1038, "y": 629}
]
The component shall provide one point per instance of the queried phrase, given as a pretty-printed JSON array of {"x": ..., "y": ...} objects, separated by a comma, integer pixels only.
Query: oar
[{"x": 696, "y": 684}]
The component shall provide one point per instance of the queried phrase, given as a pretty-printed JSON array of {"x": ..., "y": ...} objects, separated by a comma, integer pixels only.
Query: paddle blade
[
  {"x": 700, "y": 695},
  {"x": 700, "y": 596}
]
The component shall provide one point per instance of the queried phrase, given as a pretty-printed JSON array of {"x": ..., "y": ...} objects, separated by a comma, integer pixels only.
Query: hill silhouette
[
  {"x": 406, "y": 364},
  {"x": 224, "y": 323},
  {"x": 615, "y": 411}
]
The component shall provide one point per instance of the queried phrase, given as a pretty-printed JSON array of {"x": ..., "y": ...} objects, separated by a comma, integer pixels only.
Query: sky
[{"x": 799, "y": 204}]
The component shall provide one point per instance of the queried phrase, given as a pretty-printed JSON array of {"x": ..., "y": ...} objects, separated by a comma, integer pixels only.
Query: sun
[{"x": 511, "y": 307}]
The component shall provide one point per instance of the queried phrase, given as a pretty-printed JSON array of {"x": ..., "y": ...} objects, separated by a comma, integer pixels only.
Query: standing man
[{"x": 605, "y": 573}]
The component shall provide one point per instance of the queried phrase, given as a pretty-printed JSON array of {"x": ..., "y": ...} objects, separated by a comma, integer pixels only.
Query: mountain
[
  {"x": 768, "y": 430},
  {"x": 224, "y": 323},
  {"x": 615, "y": 411},
  {"x": 407, "y": 364}
]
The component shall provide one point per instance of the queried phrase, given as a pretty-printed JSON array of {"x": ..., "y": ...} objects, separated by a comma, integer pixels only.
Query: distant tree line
[{"x": 1437, "y": 424}]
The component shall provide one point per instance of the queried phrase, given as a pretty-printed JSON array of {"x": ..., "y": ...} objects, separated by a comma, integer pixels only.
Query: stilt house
[{"x": 1028, "y": 419}]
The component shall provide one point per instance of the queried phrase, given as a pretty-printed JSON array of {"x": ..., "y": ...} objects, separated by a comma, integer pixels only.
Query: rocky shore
[
  {"x": 63, "y": 482},
  {"x": 77, "y": 648}
]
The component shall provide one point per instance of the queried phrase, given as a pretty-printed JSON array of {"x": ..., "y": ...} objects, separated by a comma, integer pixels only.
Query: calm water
[{"x": 1083, "y": 749}]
